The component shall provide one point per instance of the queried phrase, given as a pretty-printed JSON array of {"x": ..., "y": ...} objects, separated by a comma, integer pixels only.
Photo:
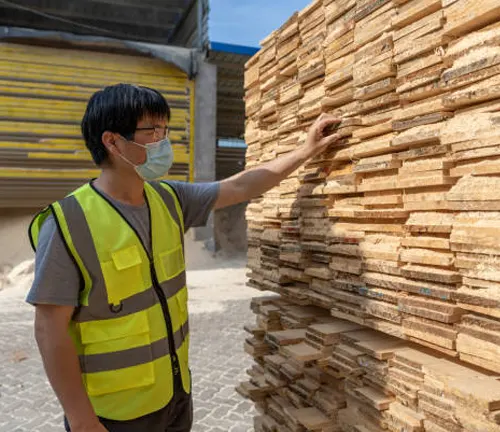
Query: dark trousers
[{"x": 177, "y": 416}]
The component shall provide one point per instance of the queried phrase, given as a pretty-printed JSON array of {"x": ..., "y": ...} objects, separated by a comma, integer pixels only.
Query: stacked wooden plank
[
  {"x": 394, "y": 228},
  {"x": 439, "y": 395},
  {"x": 327, "y": 374}
]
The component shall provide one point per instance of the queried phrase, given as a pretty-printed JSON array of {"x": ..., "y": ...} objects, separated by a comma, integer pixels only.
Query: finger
[
  {"x": 323, "y": 116},
  {"x": 326, "y": 124},
  {"x": 328, "y": 115},
  {"x": 329, "y": 120},
  {"x": 332, "y": 139}
]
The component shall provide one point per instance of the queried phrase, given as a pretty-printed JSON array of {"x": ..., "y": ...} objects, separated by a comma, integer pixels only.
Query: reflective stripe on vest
[
  {"x": 119, "y": 328},
  {"x": 132, "y": 356}
]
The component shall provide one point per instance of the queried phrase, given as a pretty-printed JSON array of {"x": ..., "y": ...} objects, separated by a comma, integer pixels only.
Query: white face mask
[{"x": 159, "y": 159}]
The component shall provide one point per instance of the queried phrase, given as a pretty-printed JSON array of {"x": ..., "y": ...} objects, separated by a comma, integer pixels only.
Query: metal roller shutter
[
  {"x": 43, "y": 95},
  {"x": 229, "y": 161}
]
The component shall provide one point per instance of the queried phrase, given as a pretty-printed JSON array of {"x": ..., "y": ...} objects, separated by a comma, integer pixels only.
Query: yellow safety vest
[{"x": 131, "y": 328}]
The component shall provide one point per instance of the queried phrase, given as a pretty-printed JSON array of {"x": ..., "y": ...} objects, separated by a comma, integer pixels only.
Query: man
[{"x": 110, "y": 294}]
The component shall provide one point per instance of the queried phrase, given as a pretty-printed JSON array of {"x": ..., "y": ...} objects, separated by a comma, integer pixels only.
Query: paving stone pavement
[{"x": 218, "y": 363}]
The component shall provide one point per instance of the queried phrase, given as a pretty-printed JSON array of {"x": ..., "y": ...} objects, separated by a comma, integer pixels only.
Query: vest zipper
[{"x": 168, "y": 322}]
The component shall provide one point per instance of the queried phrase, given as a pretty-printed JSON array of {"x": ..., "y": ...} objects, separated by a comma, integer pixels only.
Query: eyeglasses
[{"x": 160, "y": 131}]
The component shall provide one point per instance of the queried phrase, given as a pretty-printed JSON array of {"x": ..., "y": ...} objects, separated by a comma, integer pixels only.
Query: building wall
[
  {"x": 226, "y": 228},
  {"x": 42, "y": 153},
  {"x": 14, "y": 223}
]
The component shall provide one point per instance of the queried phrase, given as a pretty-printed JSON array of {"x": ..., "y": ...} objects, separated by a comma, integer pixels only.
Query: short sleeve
[
  {"x": 197, "y": 200},
  {"x": 57, "y": 278}
]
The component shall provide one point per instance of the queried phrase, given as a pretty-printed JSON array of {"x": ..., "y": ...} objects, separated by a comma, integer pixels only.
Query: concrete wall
[
  {"x": 231, "y": 229},
  {"x": 205, "y": 134},
  {"x": 14, "y": 242}
]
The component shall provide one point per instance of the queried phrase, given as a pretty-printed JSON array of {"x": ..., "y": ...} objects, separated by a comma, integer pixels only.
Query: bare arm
[
  {"x": 61, "y": 364},
  {"x": 254, "y": 182}
]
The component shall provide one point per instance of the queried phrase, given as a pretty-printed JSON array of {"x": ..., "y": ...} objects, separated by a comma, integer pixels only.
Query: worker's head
[{"x": 119, "y": 123}]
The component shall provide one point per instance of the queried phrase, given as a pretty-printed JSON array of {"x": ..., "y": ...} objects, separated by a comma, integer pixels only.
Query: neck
[{"x": 125, "y": 187}]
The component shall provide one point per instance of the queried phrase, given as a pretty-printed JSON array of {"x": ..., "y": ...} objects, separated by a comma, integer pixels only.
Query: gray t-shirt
[{"x": 57, "y": 279}]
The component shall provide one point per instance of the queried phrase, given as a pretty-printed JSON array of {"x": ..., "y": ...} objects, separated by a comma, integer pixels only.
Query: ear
[{"x": 109, "y": 141}]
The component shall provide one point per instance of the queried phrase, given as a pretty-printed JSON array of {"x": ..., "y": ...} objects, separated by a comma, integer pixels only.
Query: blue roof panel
[{"x": 233, "y": 49}]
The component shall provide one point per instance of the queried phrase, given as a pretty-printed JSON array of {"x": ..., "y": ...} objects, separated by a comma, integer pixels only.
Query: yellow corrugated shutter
[{"x": 43, "y": 95}]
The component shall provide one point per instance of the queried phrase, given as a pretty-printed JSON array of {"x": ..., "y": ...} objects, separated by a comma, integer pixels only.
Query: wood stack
[
  {"x": 395, "y": 228},
  {"x": 328, "y": 374}
]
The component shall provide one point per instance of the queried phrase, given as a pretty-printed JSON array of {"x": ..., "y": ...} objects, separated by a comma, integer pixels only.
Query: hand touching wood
[{"x": 322, "y": 134}]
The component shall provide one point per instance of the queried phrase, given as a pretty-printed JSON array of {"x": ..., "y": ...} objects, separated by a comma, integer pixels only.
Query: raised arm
[{"x": 254, "y": 182}]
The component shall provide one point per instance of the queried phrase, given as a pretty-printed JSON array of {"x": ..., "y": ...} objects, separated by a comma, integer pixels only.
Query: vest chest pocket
[
  {"x": 172, "y": 263},
  {"x": 117, "y": 354},
  {"x": 123, "y": 274}
]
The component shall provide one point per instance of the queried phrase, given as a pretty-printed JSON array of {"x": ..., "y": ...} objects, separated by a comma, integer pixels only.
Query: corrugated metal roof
[
  {"x": 173, "y": 22},
  {"x": 233, "y": 49},
  {"x": 180, "y": 57},
  {"x": 186, "y": 34}
]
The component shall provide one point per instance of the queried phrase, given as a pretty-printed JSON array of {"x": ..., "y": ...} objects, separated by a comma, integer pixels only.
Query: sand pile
[{"x": 20, "y": 277}]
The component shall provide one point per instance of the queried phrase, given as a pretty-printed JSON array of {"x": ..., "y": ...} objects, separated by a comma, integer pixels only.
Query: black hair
[{"x": 118, "y": 109}]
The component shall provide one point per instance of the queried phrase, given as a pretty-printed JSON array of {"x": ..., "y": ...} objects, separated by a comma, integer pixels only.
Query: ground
[{"x": 219, "y": 307}]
